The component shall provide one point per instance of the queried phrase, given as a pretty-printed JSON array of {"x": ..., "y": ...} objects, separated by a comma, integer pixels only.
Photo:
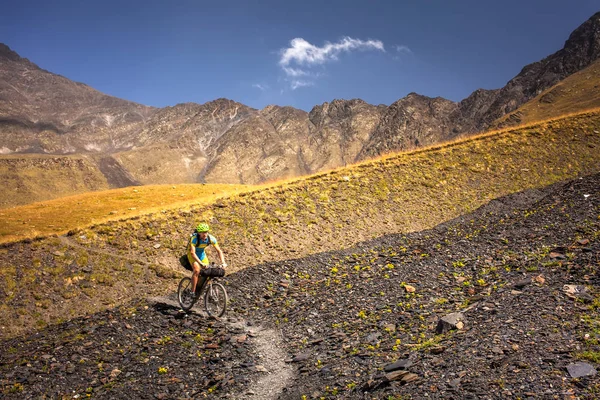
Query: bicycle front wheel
[
  {"x": 215, "y": 300},
  {"x": 186, "y": 297}
]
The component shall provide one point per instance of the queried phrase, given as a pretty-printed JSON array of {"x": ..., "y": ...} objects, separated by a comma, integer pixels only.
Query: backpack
[{"x": 185, "y": 263}]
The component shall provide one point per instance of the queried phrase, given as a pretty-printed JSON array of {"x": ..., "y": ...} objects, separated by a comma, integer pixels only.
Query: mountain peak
[
  {"x": 585, "y": 40},
  {"x": 6, "y": 52}
]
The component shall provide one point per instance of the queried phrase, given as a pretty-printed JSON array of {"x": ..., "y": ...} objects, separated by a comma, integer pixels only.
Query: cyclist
[{"x": 199, "y": 241}]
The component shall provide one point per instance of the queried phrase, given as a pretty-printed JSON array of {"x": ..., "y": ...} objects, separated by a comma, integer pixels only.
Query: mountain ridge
[{"x": 192, "y": 142}]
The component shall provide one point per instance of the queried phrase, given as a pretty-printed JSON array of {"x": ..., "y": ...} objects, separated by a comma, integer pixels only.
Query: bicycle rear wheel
[
  {"x": 215, "y": 300},
  {"x": 186, "y": 297}
]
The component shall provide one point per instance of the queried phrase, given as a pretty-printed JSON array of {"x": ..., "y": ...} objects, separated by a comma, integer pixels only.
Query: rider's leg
[
  {"x": 202, "y": 279},
  {"x": 195, "y": 275},
  {"x": 196, "y": 279}
]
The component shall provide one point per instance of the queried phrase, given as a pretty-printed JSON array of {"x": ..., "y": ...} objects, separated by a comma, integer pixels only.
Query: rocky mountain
[
  {"x": 580, "y": 50},
  {"x": 225, "y": 141},
  {"x": 445, "y": 120},
  {"x": 580, "y": 88},
  {"x": 41, "y": 112},
  {"x": 412, "y": 121}
]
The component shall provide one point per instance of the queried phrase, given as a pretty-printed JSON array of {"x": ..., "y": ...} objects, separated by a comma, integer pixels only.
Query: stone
[
  {"x": 410, "y": 377},
  {"x": 409, "y": 288},
  {"x": 577, "y": 292},
  {"x": 449, "y": 322},
  {"x": 454, "y": 383},
  {"x": 395, "y": 375},
  {"x": 238, "y": 339},
  {"x": 373, "y": 338},
  {"x": 398, "y": 365},
  {"x": 114, "y": 373},
  {"x": 300, "y": 357},
  {"x": 522, "y": 283},
  {"x": 580, "y": 369},
  {"x": 260, "y": 368}
]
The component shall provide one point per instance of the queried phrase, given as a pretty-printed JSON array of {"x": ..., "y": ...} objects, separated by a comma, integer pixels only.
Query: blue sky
[{"x": 300, "y": 53}]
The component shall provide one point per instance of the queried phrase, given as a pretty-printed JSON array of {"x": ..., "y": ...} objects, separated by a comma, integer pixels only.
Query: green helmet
[{"x": 202, "y": 227}]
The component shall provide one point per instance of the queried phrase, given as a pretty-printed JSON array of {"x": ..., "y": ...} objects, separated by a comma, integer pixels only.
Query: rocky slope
[
  {"x": 478, "y": 111},
  {"x": 41, "y": 112},
  {"x": 363, "y": 323},
  {"x": 580, "y": 88},
  {"x": 411, "y": 122},
  {"x": 581, "y": 49},
  {"x": 225, "y": 141},
  {"x": 26, "y": 179}
]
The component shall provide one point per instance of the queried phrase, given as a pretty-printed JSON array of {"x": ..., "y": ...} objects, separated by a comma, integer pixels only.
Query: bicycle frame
[{"x": 201, "y": 284}]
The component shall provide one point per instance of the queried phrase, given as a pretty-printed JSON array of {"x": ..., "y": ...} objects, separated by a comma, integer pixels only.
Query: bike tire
[
  {"x": 186, "y": 298},
  {"x": 215, "y": 299}
]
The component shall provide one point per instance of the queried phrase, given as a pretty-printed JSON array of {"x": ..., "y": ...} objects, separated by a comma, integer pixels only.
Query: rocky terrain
[
  {"x": 581, "y": 49},
  {"x": 41, "y": 112},
  {"x": 227, "y": 142},
  {"x": 26, "y": 179},
  {"x": 80, "y": 269},
  {"x": 480, "y": 109},
  {"x": 581, "y": 88},
  {"x": 373, "y": 321}
]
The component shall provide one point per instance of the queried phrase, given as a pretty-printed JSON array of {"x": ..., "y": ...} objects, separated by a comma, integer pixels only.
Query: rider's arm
[{"x": 221, "y": 256}]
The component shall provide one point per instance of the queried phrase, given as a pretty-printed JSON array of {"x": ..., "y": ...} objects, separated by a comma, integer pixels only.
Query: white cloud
[
  {"x": 304, "y": 53},
  {"x": 295, "y": 72},
  {"x": 261, "y": 87},
  {"x": 402, "y": 49},
  {"x": 307, "y": 55},
  {"x": 295, "y": 84}
]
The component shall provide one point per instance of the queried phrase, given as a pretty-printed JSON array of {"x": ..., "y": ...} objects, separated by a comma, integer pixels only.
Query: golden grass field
[{"x": 61, "y": 215}]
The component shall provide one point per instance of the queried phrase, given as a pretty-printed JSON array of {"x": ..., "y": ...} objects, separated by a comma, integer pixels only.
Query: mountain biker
[{"x": 199, "y": 241}]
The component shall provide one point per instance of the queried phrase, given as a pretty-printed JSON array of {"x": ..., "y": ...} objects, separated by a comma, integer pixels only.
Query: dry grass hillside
[
  {"x": 28, "y": 178},
  {"x": 574, "y": 94},
  {"x": 59, "y": 216},
  {"x": 107, "y": 264}
]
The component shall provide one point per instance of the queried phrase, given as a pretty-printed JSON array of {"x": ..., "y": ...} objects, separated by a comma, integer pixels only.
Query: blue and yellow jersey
[{"x": 200, "y": 246}]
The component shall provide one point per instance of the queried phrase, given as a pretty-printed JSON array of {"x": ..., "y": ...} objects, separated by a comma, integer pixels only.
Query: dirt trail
[{"x": 276, "y": 373}]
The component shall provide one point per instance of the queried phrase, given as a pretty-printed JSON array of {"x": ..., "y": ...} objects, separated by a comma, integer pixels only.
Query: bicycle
[{"x": 215, "y": 295}]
